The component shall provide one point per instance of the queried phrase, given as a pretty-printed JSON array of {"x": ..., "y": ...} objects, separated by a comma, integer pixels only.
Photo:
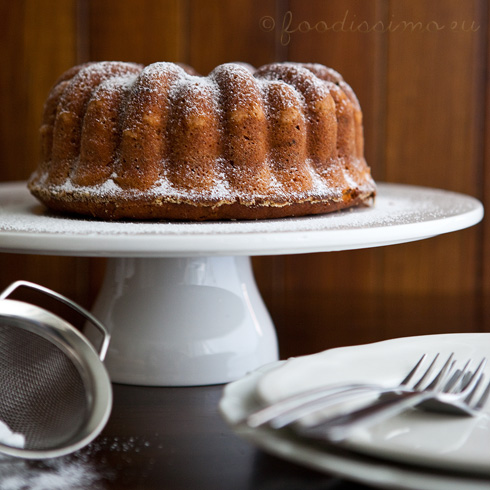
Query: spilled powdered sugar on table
[{"x": 85, "y": 469}]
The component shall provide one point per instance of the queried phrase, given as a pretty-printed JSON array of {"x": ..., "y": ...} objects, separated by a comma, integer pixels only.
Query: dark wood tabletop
[{"x": 166, "y": 438}]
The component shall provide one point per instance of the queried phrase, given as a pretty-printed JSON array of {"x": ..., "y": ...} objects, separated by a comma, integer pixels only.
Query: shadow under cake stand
[{"x": 180, "y": 299}]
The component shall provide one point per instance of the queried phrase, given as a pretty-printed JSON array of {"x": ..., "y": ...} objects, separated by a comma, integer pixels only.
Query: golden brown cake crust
[
  {"x": 147, "y": 209},
  {"x": 119, "y": 140}
]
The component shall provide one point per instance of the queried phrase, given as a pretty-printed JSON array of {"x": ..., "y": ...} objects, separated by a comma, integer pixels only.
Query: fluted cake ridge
[{"x": 120, "y": 140}]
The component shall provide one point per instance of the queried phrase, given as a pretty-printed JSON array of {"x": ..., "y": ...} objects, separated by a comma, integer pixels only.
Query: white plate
[
  {"x": 401, "y": 213},
  {"x": 239, "y": 400},
  {"x": 415, "y": 437}
]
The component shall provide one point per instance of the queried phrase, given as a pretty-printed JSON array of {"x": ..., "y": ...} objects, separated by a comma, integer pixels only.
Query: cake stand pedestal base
[
  {"x": 184, "y": 321},
  {"x": 180, "y": 299}
]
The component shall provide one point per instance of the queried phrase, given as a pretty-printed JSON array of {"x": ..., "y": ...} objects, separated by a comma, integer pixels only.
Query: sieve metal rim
[{"x": 85, "y": 358}]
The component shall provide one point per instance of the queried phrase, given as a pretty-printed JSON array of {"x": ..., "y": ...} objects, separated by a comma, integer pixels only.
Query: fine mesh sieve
[{"x": 53, "y": 385}]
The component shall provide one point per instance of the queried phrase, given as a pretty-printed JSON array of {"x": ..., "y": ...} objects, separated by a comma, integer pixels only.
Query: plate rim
[
  {"x": 272, "y": 238},
  {"x": 239, "y": 399}
]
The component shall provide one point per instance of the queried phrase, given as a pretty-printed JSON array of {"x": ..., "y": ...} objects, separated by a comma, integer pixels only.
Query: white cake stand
[{"x": 180, "y": 299}]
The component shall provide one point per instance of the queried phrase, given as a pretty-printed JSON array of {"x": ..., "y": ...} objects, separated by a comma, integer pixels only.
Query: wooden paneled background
[{"x": 421, "y": 71}]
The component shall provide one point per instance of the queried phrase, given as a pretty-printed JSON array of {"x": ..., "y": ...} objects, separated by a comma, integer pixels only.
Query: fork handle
[{"x": 337, "y": 428}]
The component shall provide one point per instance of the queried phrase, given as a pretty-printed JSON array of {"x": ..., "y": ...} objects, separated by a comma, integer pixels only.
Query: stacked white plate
[{"x": 416, "y": 450}]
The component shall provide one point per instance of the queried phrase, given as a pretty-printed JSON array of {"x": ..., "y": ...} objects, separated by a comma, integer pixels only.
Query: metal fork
[
  {"x": 455, "y": 396},
  {"x": 289, "y": 410}
]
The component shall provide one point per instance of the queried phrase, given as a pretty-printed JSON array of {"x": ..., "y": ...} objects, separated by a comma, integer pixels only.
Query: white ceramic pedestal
[
  {"x": 193, "y": 320},
  {"x": 180, "y": 299}
]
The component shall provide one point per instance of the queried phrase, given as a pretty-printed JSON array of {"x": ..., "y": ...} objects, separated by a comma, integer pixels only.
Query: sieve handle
[{"x": 88, "y": 316}]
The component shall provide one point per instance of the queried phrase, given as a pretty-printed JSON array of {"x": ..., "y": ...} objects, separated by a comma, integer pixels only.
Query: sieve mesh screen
[{"x": 43, "y": 395}]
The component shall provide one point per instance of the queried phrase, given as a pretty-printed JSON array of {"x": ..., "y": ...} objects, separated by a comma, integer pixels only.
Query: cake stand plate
[{"x": 180, "y": 299}]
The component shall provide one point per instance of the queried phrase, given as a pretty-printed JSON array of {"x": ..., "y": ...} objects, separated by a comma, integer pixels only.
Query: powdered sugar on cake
[
  {"x": 126, "y": 141},
  {"x": 221, "y": 191}
]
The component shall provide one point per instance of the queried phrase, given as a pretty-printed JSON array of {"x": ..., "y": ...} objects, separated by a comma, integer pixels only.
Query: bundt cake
[{"x": 120, "y": 140}]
